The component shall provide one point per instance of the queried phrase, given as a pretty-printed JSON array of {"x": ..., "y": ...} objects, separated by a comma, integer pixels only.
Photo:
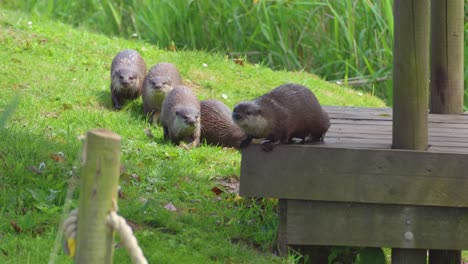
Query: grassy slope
[{"x": 62, "y": 77}]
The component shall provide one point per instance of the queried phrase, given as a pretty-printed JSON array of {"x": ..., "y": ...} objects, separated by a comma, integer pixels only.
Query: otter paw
[
  {"x": 268, "y": 146},
  {"x": 245, "y": 143}
]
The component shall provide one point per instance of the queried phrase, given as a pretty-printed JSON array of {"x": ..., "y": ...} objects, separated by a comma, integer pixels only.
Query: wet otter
[
  {"x": 128, "y": 70},
  {"x": 180, "y": 116},
  {"x": 286, "y": 112},
  {"x": 217, "y": 126},
  {"x": 159, "y": 81}
]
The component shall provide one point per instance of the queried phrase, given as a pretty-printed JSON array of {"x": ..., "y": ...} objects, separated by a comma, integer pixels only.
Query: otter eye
[
  {"x": 121, "y": 77},
  {"x": 177, "y": 113}
]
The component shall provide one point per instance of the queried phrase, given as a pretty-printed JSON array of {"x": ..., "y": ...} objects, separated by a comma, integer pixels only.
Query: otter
[
  {"x": 159, "y": 81},
  {"x": 180, "y": 116},
  {"x": 286, "y": 112},
  {"x": 217, "y": 126},
  {"x": 128, "y": 70}
]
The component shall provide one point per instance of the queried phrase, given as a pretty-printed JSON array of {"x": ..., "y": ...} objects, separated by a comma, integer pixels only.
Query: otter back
[
  {"x": 128, "y": 70},
  {"x": 180, "y": 116},
  {"x": 161, "y": 79},
  {"x": 288, "y": 111},
  {"x": 217, "y": 126},
  {"x": 294, "y": 112}
]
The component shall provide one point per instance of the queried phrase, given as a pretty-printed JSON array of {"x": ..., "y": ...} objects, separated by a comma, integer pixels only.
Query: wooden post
[
  {"x": 447, "y": 21},
  {"x": 98, "y": 196},
  {"x": 410, "y": 74},
  {"x": 410, "y": 90}
]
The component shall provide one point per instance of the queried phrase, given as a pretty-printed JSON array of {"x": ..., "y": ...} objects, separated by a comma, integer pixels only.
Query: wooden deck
[
  {"x": 365, "y": 192},
  {"x": 371, "y": 128}
]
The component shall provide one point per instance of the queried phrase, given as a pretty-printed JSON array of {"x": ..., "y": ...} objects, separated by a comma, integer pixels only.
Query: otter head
[
  {"x": 186, "y": 120},
  {"x": 249, "y": 117},
  {"x": 160, "y": 84},
  {"x": 125, "y": 79}
]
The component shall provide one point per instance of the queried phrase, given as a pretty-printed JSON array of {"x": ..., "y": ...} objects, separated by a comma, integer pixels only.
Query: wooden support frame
[{"x": 368, "y": 197}]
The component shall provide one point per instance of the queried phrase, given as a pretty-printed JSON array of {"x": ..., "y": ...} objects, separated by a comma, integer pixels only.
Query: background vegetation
[{"x": 333, "y": 39}]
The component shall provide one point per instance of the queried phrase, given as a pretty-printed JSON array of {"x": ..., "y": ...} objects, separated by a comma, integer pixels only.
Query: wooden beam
[
  {"x": 410, "y": 74},
  {"x": 447, "y": 44},
  {"x": 376, "y": 225},
  {"x": 313, "y": 172}
]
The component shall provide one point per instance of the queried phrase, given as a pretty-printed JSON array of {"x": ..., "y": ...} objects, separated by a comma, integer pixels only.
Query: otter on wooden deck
[{"x": 354, "y": 190}]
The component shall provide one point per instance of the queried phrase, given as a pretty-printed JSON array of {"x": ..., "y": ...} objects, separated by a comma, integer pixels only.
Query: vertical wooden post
[
  {"x": 447, "y": 21},
  {"x": 410, "y": 90},
  {"x": 98, "y": 196},
  {"x": 410, "y": 74}
]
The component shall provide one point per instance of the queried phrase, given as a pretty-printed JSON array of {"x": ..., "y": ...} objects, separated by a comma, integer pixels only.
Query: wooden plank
[
  {"x": 336, "y": 140},
  {"x": 436, "y": 137},
  {"x": 314, "y": 172},
  {"x": 379, "y": 123},
  {"x": 385, "y": 114},
  {"x": 448, "y": 149},
  {"x": 376, "y": 225}
]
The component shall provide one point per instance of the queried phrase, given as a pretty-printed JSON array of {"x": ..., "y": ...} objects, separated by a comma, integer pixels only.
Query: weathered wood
[
  {"x": 313, "y": 172},
  {"x": 446, "y": 76},
  {"x": 410, "y": 85},
  {"x": 410, "y": 74},
  {"x": 98, "y": 196},
  {"x": 445, "y": 257},
  {"x": 376, "y": 225},
  {"x": 447, "y": 21},
  {"x": 282, "y": 240},
  {"x": 401, "y": 256}
]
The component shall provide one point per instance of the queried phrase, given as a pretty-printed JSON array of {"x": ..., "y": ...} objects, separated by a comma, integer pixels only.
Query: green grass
[
  {"x": 333, "y": 39},
  {"x": 61, "y": 76}
]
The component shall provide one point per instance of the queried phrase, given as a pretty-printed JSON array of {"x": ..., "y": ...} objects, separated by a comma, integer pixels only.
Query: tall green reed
[{"x": 333, "y": 39}]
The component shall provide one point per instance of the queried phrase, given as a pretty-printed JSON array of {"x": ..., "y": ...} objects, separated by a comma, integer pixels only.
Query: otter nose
[
  {"x": 125, "y": 82},
  {"x": 236, "y": 116},
  {"x": 190, "y": 121}
]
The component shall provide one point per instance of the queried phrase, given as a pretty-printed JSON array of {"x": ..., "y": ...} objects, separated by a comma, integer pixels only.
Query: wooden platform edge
[{"x": 385, "y": 176}]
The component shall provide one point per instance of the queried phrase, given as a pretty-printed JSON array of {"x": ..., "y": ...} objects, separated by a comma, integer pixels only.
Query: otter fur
[
  {"x": 286, "y": 112},
  {"x": 128, "y": 71},
  {"x": 159, "y": 81},
  {"x": 217, "y": 126},
  {"x": 180, "y": 116}
]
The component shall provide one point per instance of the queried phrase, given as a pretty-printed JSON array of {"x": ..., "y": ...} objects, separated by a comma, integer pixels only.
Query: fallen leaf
[
  {"x": 15, "y": 226},
  {"x": 239, "y": 62},
  {"x": 231, "y": 184},
  {"x": 35, "y": 170},
  {"x": 217, "y": 190},
  {"x": 170, "y": 207},
  {"x": 57, "y": 157},
  {"x": 135, "y": 177}
]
